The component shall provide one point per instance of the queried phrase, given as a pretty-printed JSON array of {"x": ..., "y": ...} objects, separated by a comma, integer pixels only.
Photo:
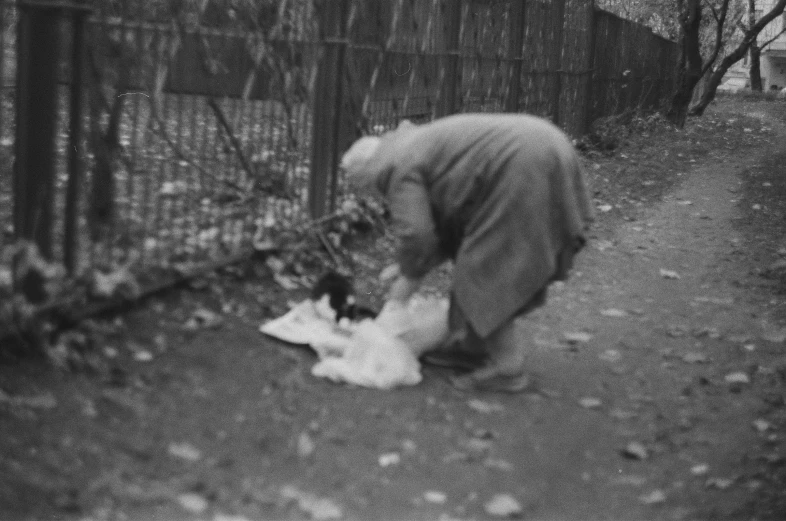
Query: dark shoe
[
  {"x": 453, "y": 359},
  {"x": 498, "y": 383}
]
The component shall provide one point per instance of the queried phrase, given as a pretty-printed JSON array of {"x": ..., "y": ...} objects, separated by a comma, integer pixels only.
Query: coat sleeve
[{"x": 413, "y": 226}]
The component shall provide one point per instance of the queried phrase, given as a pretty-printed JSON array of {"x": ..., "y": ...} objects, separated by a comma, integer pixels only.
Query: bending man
[{"x": 503, "y": 196}]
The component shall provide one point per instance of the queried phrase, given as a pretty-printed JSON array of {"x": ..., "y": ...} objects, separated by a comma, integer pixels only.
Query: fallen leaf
[
  {"x": 622, "y": 414},
  {"x": 700, "y": 469},
  {"x": 613, "y": 312},
  {"x": 777, "y": 265},
  {"x": 263, "y": 245},
  {"x": 577, "y": 337},
  {"x": 389, "y": 458},
  {"x": 143, "y": 356},
  {"x": 319, "y": 508},
  {"x": 590, "y": 403},
  {"x": 605, "y": 208},
  {"x": 286, "y": 282},
  {"x": 502, "y": 505},
  {"x": 193, "y": 503},
  {"x": 229, "y": 517},
  {"x": 774, "y": 458},
  {"x": 203, "y": 318},
  {"x": 322, "y": 509},
  {"x": 725, "y": 301},
  {"x": 389, "y": 273},
  {"x": 455, "y": 456},
  {"x": 610, "y": 355},
  {"x": 119, "y": 282},
  {"x": 41, "y": 401},
  {"x": 484, "y": 407},
  {"x": 740, "y": 338},
  {"x": 719, "y": 483},
  {"x": 635, "y": 450},
  {"x": 275, "y": 264},
  {"x": 653, "y": 498},
  {"x": 776, "y": 337},
  {"x": 676, "y": 331},
  {"x": 185, "y": 451},
  {"x": 695, "y": 358},
  {"x": 435, "y": 496},
  {"x": 669, "y": 274},
  {"x": 738, "y": 377},
  {"x": 305, "y": 445},
  {"x": 709, "y": 332},
  {"x": 498, "y": 464},
  {"x": 630, "y": 480},
  {"x": 478, "y": 445},
  {"x": 604, "y": 245},
  {"x": 409, "y": 446}
]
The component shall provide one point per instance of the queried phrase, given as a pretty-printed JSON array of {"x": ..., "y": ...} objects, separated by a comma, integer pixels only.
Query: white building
[{"x": 773, "y": 56}]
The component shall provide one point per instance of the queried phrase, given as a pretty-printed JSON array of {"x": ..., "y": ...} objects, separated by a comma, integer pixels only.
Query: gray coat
[{"x": 503, "y": 195}]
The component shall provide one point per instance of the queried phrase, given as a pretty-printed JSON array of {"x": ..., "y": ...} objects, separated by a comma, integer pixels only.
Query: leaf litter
[{"x": 503, "y": 505}]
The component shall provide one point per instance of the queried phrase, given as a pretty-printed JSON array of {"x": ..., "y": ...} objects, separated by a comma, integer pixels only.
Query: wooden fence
[{"x": 199, "y": 135}]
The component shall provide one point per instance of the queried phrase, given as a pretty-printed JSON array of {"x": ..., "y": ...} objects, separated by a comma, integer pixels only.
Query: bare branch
[
  {"x": 162, "y": 132},
  {"x": 232, "y": 137},
  {"x": 720, "y": 21},
  {"x": 765, "y": 44}
]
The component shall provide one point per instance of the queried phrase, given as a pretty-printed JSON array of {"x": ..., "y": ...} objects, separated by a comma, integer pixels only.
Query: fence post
[
  {"x": 38, "y": 45},
  {"x": 515, "y": 53},
  {"x": 559, "y": 12},
  {"x": 70, "y": 232},
  {"x": 451, "y": 85},
  {"x": 589, "y": 104},
  {"x": 328, "y": 100}
]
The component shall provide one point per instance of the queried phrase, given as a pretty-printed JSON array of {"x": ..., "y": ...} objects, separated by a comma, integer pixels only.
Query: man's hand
[
  {"x": 389, "y": 272},
  {"x": 403, "y": 288}
]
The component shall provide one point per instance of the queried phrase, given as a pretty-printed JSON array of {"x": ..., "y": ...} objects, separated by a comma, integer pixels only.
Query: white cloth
[{"x": 381, "y": 353}]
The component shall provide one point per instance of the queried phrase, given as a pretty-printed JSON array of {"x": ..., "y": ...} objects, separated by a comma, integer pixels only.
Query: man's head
[{"x": 355, "y": 162}]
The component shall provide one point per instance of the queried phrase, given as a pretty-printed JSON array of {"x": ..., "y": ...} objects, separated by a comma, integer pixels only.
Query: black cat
[{"x": 339, "y": 293}]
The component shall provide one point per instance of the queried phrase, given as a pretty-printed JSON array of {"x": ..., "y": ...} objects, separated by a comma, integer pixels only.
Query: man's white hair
[{"x": 354, "y": 160}]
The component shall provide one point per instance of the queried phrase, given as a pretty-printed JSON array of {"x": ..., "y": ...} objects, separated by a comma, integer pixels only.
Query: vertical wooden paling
[
  {"x": 556, "y": 64},
  {"x": 515, "y": 53},
  {"x": 75, "y": 125},
  {"x": 36, "y": 91},
  {"x": 591, "y": 64},
  {"x": 450, "y": 87},
  {"x": 327, "y": 102}
]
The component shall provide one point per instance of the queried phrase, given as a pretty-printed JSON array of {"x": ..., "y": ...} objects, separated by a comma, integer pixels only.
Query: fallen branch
[
  {"x": 232, "y": 137},
  {"x": 183, "y": 157},
  {"x": 329, "y": 248}
]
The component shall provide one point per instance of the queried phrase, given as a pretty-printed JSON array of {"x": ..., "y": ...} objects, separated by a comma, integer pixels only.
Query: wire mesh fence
[{"x": 207, "y": 128}]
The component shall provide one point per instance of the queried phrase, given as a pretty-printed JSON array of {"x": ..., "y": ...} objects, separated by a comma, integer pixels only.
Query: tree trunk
[
  {"x": 689, "y": 63},
  {"x": 735, "y": 56},
  {"x": 716, "y": 79},
  {"x": 755, "y": 70},
  {"x": 755, "y": 51}
]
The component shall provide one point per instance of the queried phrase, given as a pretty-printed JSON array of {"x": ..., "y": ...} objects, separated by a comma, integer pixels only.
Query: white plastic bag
[
  {"x": 372, "y": 358},
  {"x": 381, "y": 353},
  {"x": 422, "y": 323}
]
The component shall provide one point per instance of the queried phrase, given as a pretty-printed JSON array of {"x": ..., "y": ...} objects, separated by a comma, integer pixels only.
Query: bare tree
[
  {"x": 749, "y": 35},
  {"x": 754, "y": 51},
  {"x": 689, "y": 61}
]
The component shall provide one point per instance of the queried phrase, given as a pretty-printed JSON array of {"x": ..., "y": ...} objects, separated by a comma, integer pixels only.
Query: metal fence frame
[{"x": 283, "y": 103}]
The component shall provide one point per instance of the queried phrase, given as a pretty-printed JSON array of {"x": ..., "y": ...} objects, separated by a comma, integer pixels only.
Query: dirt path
[{"x": 671, "y": 406}]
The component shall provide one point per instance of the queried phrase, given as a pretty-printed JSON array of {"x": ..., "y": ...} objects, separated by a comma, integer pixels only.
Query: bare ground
[{"x": 671, "y": 406}]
